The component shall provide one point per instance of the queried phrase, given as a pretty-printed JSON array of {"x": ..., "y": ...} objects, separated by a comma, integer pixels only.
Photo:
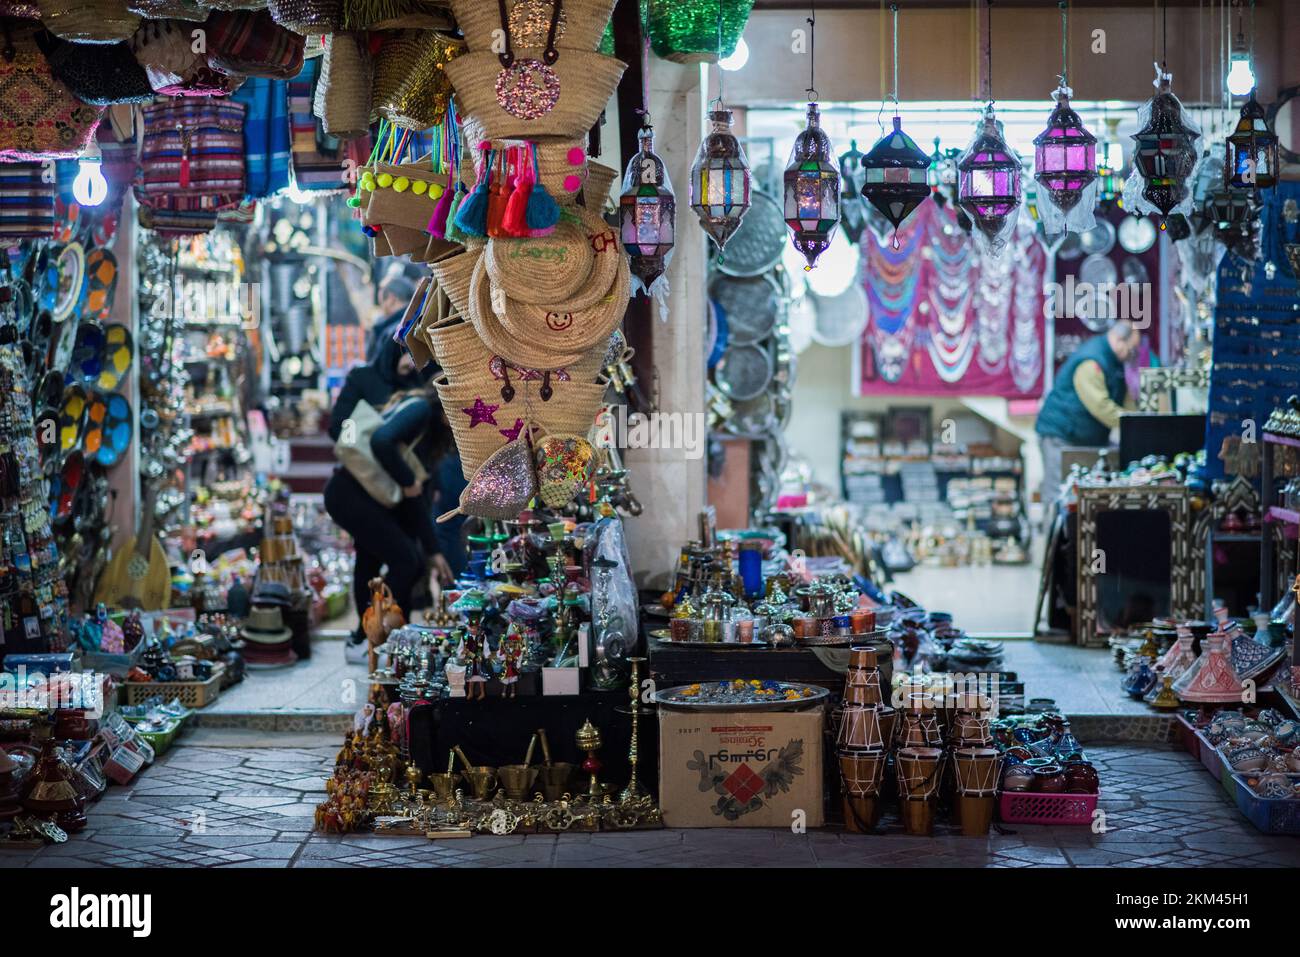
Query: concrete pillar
[{"x": 669, "y": 483}]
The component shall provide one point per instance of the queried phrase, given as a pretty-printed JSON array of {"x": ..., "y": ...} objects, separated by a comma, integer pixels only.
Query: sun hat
[
  {"x": 567, "y": 328},
  {"x": 485, "y": 307},
  {"x": 453, "y": 275},
  {"x": 580, "y": 27},
  {"x": 563, "y": 99},
  {"x": 553, "y": 268}
]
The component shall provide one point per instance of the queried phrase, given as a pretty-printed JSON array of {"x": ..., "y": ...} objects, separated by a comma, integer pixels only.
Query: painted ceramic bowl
[
  {"x": 1018, "y": 777},
  {"x": 1293, "y": 761},
  {"x": 1049, "y": 779},
  {"x": 1247, "y": 758},
  {"x": 1018, "y": 753},
  {"x": 1081, "y": 778}
]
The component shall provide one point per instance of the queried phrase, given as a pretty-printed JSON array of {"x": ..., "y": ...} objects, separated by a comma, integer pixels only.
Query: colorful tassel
[
  {"x": 472, "y": 217},
  {"x": 515, "y": 220},
  {"x": 454, "y": 233},
  {"x": 543, "y": 210},
  {"x": 442, "y": 211},
  {"x": 498, "y": 196}
]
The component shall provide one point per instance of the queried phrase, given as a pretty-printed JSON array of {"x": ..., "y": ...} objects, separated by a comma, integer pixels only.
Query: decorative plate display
[
  {"x": 1136, "y": 234},
  {"x": 744, "y": 372},
  {"x": 758, "y": 244},
  {"x": 1099, "y": 240},
  {"x": 751, "y": 305},
  {"x": 740, "y": 694}
]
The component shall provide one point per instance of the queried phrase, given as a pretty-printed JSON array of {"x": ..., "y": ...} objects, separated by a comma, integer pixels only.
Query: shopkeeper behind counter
[{"x": 1086, "y": 400}]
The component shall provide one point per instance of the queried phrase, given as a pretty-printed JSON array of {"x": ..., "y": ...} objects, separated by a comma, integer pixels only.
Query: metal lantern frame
[
  {"x": 1231, "y": 210},
  {"x": 647, "y": 210},
  {"x": 721, "y": 181},
  {"x": 898, "y": 175},
  {"x": 1065, "y": 155},
  {"x": 1165, "y": 154},
  {"x": 852, "y": 215},
  {"x": 988, "y": 179},
  {"x": 812, "y": 190},
  {"x": 1253, "y": 150}
]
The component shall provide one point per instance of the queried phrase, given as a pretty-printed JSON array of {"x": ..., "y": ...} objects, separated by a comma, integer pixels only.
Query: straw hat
[
  {"x": 571, "y": 93},
  {"x": 453, "y": 275},
  {"x": 485, "y": 307},
  {"x": 600, "y": 179},
  {"x": 570, "y": 328},
  {"x": 582, "y": 23},
  {"x": 554, "y": 268}
]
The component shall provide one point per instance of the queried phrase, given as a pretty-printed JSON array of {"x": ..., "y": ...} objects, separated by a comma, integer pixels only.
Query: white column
[{"x": 669, "y": 484}]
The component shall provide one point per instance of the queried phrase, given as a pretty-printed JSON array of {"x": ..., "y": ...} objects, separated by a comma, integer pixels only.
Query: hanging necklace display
[
  {"x": 989, "y": 171},
  {"x": 1026, "y": 320},
  {"x": 720, "y": 177},
  {"x": 896, "y": 179},
  {"x": 812, "y": 182},
  {"x": 1065, "y": 161},
  {"x": 528, "y": 88}
]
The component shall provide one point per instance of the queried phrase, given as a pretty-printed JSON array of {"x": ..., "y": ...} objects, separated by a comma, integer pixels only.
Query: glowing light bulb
[
  {"x": 90, "y": 188},
  {"x": 1241, "y": 75},
  {"x": 739, "y": 57}
]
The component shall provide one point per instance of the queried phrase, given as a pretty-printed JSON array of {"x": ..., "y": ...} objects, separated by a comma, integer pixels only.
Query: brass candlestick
[
  {"x": 589, "y": 740},
  {"x": 634, "y": 790}
]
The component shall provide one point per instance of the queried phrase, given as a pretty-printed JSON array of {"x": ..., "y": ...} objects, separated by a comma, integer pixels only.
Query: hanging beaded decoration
[{"x": 529, "y": 88}]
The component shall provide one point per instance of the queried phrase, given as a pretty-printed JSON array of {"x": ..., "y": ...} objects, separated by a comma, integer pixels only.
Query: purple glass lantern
[
  {"x": 720, "y": 180},
  {"x": 647, "y": 211},
  {"x": 1165, "y": 154},
  {"x": 988, "y": 181},
  {"x": 897, "y": 176},
  {"x": 812, "y": 190},
  {"x": 1065, "y": 155},
  {"x": 1252, "y": 150}
]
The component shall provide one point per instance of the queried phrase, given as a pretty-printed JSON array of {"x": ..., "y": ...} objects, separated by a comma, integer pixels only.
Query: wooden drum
[{"x": 978, "y": 770}]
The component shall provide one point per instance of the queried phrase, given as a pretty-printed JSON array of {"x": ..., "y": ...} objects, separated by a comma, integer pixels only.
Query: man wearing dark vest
[{"x": 1086, "y": 400}]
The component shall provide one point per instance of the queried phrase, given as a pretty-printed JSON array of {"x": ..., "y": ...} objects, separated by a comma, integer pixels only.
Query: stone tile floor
[{"x": 205, "y": 806}]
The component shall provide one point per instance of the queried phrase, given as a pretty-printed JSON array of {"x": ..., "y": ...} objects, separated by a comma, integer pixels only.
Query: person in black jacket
[
  {"x": 401, "y": 537},
  {"x": 391, "y": 370}
]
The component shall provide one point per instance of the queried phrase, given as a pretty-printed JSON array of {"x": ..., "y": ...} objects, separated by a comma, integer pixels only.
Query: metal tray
[{"x": 820, "y": 694}]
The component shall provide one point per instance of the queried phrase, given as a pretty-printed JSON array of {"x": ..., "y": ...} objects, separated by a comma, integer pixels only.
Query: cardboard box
[{"x": 740, "y": 769}]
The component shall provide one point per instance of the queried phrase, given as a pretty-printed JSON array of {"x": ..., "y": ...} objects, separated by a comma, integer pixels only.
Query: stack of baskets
[{"x": 524, "y": 325}]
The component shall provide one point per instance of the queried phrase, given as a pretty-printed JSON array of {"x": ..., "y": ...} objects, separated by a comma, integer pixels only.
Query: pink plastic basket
[{"x": 1027, "y": 807}]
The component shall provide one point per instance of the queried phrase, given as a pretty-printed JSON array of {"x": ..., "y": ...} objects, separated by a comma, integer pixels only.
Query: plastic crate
[
  {"x": 162, "y": 740},
  {"x": 1186, "y": 736},
  {"x": 193, "y": 694},
  {"x": 1029, "y": 807},
  {"x": 1228, "y": 781},
  {"x": 1210, "y": 757},
  {"x": 1270, "y": 815}
]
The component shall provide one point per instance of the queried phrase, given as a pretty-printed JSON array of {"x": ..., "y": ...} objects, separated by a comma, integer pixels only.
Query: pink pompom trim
[
  {"x": 576, "y": 156},
  {"x": 572, "y": 184}
]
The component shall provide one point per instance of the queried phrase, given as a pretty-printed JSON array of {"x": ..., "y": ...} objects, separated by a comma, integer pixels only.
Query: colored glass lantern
[
  {"x": 695, "y": 31},
  {"x": 1234, "y": 214},
  {"x": 897, "y": 176},
  {"x": 1165, "y": 154},
  {"x": 647, "y": 212},
  {"x": 720, "y": 180},
  {"x": 1110, "y": 163},
  {"x": 988, "y": 181},
  {"x": 852, "y": 176},
  {"x": 812, "y": 190},
  {"x": 1065, "y": 155},
  {"x": 1252, "y": 150}
]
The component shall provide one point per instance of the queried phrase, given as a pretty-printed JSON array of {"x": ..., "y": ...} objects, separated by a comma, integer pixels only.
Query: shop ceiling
[{"x": 940, "y": 43}]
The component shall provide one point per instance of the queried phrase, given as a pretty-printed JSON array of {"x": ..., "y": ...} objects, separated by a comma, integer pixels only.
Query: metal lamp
[
  {"x": 812, "y": 190},
  {"x": 1252, "y": 150},
  {"x": 1065, "y": 155},
  {"x": 720, "y": 180},
  {"x": 897, "y": 179},
  {"x": 988, "y": 179}
]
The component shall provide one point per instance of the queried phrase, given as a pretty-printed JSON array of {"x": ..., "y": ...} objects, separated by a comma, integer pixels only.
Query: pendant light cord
[
  {"x": 1065, "y": 26},
  {"x": 812, "y": 52},
  {"x": 893, "y": 8},
  {"x": 988, "y": 53},
  {"x": 719, "y": 99},
  {"x": 1164, "y": 36}
]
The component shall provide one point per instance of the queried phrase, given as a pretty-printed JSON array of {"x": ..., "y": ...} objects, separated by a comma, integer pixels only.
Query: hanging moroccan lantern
[
  {"x": 720, "y": 180},
  {"x": 1252, "y": 150},
  {"x": 1110, "y": 164},
  {"x": 812, "y": 190},
  {"x": 647, "y": 211},
  {"x": 1065, "y": 155},
  {"x": 988, "y": 183},
  {"x": 1230, "y": 211},
  {"x": 695, "y": 31},
  {"x": 852, "y": 177},
  {"x": 1165, "y": 154},
  {"x": 897, "y": 176}
]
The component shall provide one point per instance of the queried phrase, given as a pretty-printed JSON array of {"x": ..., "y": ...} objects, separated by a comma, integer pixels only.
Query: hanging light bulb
[
  {"x": 738, "y": 59},
  {"x": 812, "y": 190},
  {"x": 90, "y": 188},
  {"x": 1241, "y": 74},
  {"x": 647, "y": 213},
  {"x": 720, "y": 180}
]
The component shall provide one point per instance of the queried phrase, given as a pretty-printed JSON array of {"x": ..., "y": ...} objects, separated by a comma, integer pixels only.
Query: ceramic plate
[{"x": 719, "y": 696}]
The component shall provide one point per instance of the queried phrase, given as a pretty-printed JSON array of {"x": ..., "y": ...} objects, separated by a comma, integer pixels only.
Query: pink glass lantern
[
  {"x": 812, "y": 190},
  {"x": 988, "y": 182},
  {"x": 1065, "y": 155},
  {"x": 647, "y": 211}
]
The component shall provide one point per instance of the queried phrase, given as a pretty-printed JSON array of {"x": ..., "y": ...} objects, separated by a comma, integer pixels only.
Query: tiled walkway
[{"x": 203, "y": 806}]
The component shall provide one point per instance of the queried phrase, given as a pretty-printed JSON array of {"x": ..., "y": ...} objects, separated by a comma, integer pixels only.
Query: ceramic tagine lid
[{"x": 1211, "y": 677}]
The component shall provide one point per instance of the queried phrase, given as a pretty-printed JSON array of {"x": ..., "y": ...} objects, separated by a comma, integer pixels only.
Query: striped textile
[
  {"x": 313, "y": 168},
  {"x": 266, "y": 136},
  {"x": 193, "y": 150},
  {"x": 26, "y": 203}
]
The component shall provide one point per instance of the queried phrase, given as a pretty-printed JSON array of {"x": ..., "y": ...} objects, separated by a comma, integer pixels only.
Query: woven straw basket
[
  {"x": 462, "y": 354},
  {"x": 600, "y": 180},
  {"x": 405, "y": 207},
  {"x": 416, "y": 90},
  {"x": 454, "y": 274},
  {"x": 562, "y": 178},
  {"x": 477, "y": 443},
  {"x": 89, "y": 21},
  {"x": 549, "y": 269},
  {"x": 583, "y": 23},
  {"x": 343, "y": 91},
  {"x": 531, "y": 354},
  {"x": 587, "y": 81}
]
